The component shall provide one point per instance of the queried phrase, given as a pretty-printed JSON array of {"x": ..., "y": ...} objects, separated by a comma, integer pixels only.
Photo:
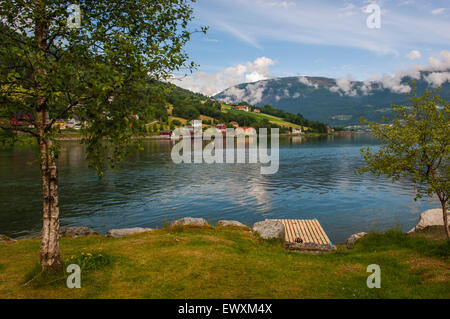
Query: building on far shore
[
  {"x": 242, "y": 108},
  {"x": 165, "y": 133},
  {"x": 221, "y": 128},
  {"x": 61, "y": 124},
  {"x": 22, "y": 119},
  {"x": 296, "y": 131},
  {"x": 256, "y": 111},
  {"x": 234, "y": 124},
  {"x": 196, "y": 124},
  {"x": 250, "y": 131}
]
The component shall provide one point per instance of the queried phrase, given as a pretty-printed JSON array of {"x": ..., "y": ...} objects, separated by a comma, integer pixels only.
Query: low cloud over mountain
[{"x": 342, "y": 101}]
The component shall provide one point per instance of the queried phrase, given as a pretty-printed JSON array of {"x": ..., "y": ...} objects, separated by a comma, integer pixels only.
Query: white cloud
[
  {"x": 442, "y": 64},
  {"x": 211, "y": 84},
  {"x": 439, "y": 68},
  {"x": 438, "y": 78},
  {"x": 406, "y": 3},
  {"x": 238, "y": 33},
  {"x": 414, "y": 54},
  {"x": 438, "y": 11},
  {"x": 307, "y": 82},
  {"x": 258, "y": 70},
  {"x": 282, "y": 4},
  {"x": 345, "y": 86},
  {"x": 347, "y": 11},
  {"x": 329, "y": 23},
  {"x": 253, "y": 93}
]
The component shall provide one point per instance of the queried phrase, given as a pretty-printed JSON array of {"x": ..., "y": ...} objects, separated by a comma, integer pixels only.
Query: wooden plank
[
  {"x": 313, "y": 234},
  {"x": 296, "y": 229},
  {"x": 320, "y": 231},
  {"x": 310, "y": 231},
  {"x": 287, "y": 230},
  {"x": 300, "y": 232},
  {"x": 316, "y": 233},
  {"x": 317, "y": 238},
  {"x": 291, "y": 230},
  {"x": 324, "y": 234},
  {"x": 305, "y": 231},
  {"x": 306, "y": 228}
]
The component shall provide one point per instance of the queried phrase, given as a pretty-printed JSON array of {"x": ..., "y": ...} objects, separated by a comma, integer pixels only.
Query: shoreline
[{"x": 27, "y": 140}]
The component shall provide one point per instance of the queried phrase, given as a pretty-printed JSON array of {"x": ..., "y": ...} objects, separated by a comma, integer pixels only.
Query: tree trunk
[
  {"x": 444, "y": 212},
  {"x": 50, "y": 257}
]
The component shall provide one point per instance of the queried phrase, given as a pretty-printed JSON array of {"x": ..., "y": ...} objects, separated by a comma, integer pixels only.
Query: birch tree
[
  {"x": 91, "y": 60},
  {"x": 416, "y": 145}
]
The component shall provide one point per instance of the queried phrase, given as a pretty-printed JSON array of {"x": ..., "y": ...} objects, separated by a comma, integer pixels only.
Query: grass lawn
[
  {"x": 216, "y": 262},
  {"x": 182, "y": 120},
  {"x": 271, "y": 118}
]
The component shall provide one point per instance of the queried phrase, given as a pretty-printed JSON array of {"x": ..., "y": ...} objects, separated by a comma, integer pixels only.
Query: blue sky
[{"x": 249, "y": 40}]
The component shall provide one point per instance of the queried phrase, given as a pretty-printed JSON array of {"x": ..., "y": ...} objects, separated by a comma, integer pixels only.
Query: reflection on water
[{"x": 316, "y": 179}]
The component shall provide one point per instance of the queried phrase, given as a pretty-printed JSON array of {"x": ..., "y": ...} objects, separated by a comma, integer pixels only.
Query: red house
[
  {"x": 21, "y": 119},
  {"x": 242, "y": 108},
  {"x": 165, "y": 133},
  {"x": 221, "y": 126}
]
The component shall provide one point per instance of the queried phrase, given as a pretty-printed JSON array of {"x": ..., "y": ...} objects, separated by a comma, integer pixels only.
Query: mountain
[{"x": 337, "y": 102}]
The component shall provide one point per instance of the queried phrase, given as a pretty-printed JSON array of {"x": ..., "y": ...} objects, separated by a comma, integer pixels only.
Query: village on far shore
[{"x": 157, "y": 128}]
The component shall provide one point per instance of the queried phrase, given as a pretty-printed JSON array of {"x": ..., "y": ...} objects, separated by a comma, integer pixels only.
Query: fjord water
[{"x": 316, "y": 179}]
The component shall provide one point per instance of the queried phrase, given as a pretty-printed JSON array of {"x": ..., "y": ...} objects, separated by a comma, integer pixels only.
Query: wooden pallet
[{"x": 306, "y": 234}]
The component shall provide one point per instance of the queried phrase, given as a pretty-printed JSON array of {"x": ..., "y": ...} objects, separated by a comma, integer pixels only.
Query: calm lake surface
[{"x": 315, "y": 180}]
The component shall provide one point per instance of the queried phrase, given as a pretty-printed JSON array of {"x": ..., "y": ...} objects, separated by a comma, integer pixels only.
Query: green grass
[
  {"x": 217, "y": 262},
  {"x": 395, "y": 239},
  {"x": 271, "y": 118}
]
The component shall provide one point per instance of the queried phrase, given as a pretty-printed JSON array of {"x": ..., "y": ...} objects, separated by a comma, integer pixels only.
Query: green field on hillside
[{"x": 271, "y": 118}]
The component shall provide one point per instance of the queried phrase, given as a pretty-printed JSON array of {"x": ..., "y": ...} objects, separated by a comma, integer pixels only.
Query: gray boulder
[
  {"x": 228, "y": 223},
  {"x": 353, "y": 238},
  {"x": 311, "y": 247},
  {"x": 431, "y": 217},
  {"x": 72, "y": 232},
  {"x": 117, "y": 233},
  {"x": 76, "y": 231},
  {"x": 190, "y": 221},
  {"x": 269, "y": 229}
]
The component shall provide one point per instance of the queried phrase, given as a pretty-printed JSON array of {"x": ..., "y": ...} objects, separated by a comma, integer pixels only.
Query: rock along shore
[{"x": 268, "y": 229}]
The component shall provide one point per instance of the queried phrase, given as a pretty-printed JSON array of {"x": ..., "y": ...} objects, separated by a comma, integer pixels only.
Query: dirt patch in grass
[
  {"x": 431, "y": 269},
  {"x": 217, "y": 240},
  {"x": 352, "y": 268}
]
